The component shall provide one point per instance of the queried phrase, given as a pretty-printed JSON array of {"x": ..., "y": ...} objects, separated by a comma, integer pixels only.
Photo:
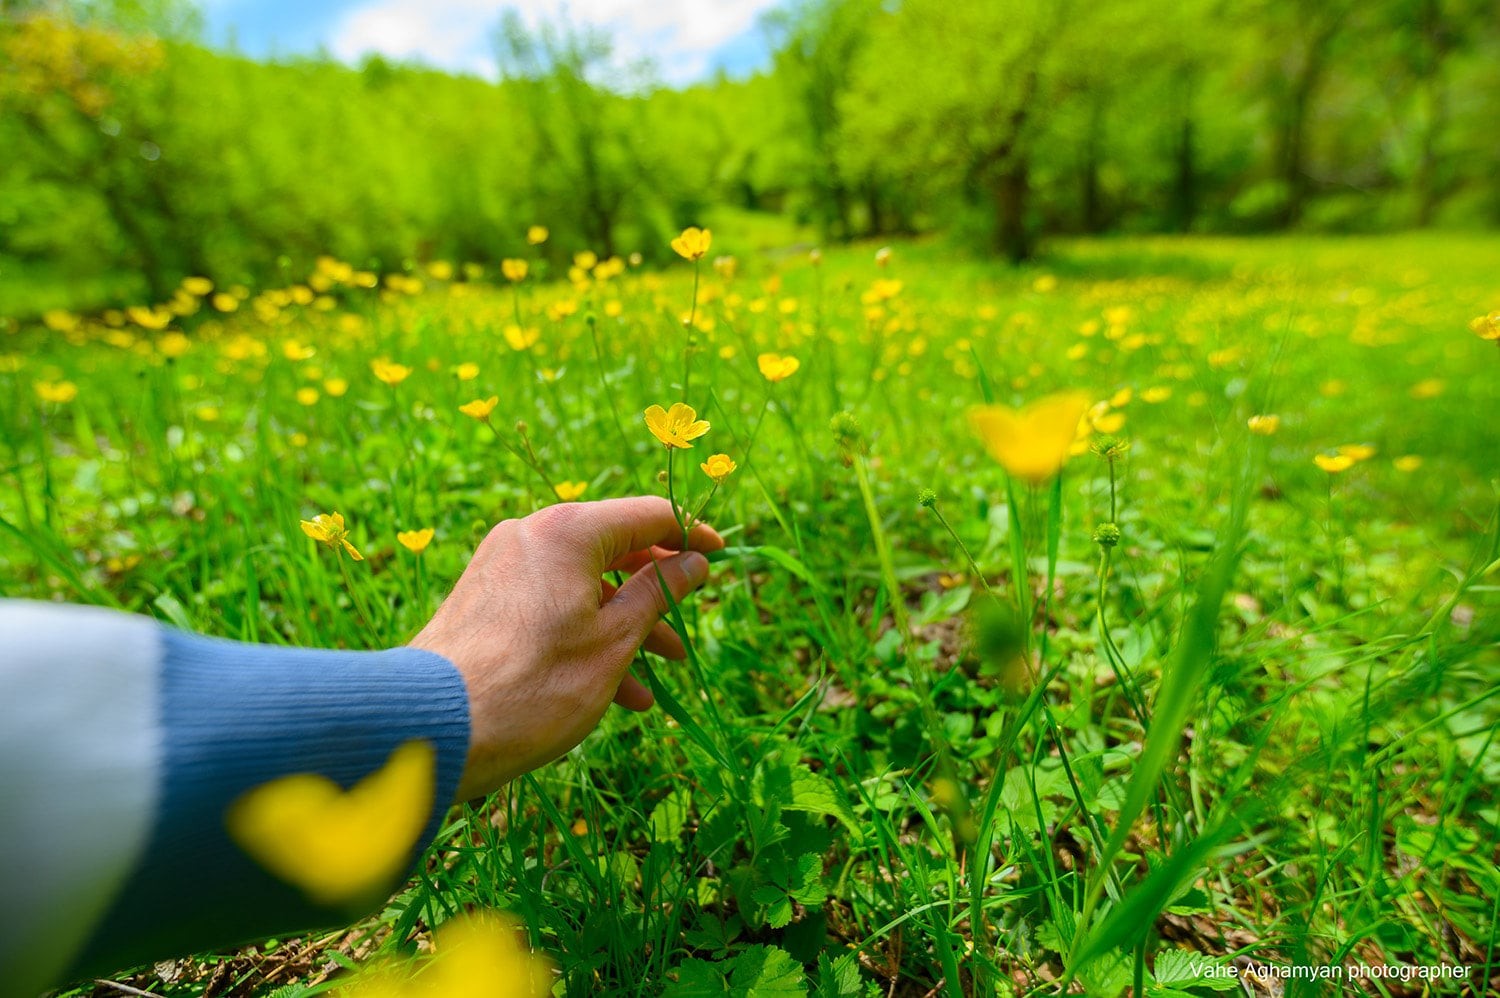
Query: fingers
[
  {"x": 633, "y": 695},
  {"x": 662, "y": 640},
  {"x": 639, "y": 604},
  {"x": 620, "y": 526}
]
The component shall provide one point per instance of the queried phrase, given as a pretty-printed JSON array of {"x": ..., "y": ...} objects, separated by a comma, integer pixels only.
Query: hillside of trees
[{"x": 132, "y": 148}]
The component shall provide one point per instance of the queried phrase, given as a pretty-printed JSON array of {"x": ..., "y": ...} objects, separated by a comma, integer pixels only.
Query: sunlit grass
[{"x": 1265, "y": 726}]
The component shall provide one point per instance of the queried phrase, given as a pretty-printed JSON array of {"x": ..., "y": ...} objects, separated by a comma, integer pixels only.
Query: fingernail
[{"x": 695, "y": 567}]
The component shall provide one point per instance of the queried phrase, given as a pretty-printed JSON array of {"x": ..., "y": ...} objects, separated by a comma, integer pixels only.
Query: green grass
[{"x": 1267, "y": 727}]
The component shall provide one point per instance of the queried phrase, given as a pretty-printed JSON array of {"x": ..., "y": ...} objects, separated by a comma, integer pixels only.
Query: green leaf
[
  {"x": 1176, "y": 968},
  {"x": 668, "y": 817},
  {"x": 766, "y": 972},
  {"x": 800, "y": 789},
  {"x": 697, "y": 979},
  {"x": 839, "y": 978}
]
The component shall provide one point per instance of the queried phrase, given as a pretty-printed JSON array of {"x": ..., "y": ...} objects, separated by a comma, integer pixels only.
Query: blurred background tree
[{"x": 134, "y": 155}]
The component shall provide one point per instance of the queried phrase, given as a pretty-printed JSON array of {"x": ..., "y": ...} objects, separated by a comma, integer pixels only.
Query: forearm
[{"x": 125, "y": 743}]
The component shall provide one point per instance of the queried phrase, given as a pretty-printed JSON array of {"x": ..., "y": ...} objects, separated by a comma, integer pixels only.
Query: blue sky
[{"x": 686, "y": 40}]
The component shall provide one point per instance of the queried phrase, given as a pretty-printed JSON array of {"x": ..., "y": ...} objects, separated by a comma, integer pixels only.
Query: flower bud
[
  {"x": 927, "y": 498},
  {"x": 1107, "y": 535}
]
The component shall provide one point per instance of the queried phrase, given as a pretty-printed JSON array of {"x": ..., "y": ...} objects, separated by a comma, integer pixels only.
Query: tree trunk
[
  {"x": 1185, "y": 185},
  {"x": 1011, "y": 192}
]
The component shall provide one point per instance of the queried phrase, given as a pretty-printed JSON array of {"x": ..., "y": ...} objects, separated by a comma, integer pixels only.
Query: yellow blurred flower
[
  {"x": 568, "y": 491},
  {"x": 521, "y": 339},
  {"x": 1032, "y": 443},
  {"x": 475, "y": 955},
  {"x": 718, "y": 467},
  {"x": 1333, "y": 463},
  {"x": 336, "y": 387},
  {"x": 514, "y": 270},
  {"x": 60, "y": 320},
  {"x": 199, "y": 286},
  {"x": 56, "y": 391},
  {"x": 1265, "y": 425},
  {"x": 339, "y": 846},
  {"x": 225, "y": 302},
  {"x": 536, "y": 235},
  {"x": 480, "y": 409},
  {"x": 173, "y": 345},
  {"x": 440, "y": 270},
  {"x": 1407, "y": 462},
  {"x": 774, "y": 367},
  {"x": 416, "y": 541},
  {"x": 1486, "y": 327},
  {"x": 676, "y": 427},
  {"x": 149, "y": 318},
  {"x": 693, "y": 243},
  {"x": 1428, "y": 388},
  {"x": 1102, "y": 419},
  {"x": 329, "y": 529},
  {"x": 726, "y": 267},
  {"x": 1157, "y": 394},
  {"x": 467, "y": 371},
  {"x": 391, "y": 373},
  {"x": 293, "y": 350},
  {"x": 1044, "y": 284},
  {"x": 1359, "y": 452},
  {"x": 307, "y": 396}
]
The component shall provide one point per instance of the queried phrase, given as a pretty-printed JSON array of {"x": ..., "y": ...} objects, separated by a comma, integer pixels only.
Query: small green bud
[
  {"x": 927, "y": 498},
  {"x": 1106, "y": 535},
  {"x": 1110, "y": 447},
  {"x": 847, "y": 432}
]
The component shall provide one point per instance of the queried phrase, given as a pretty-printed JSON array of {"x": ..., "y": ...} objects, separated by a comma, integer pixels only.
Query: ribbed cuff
[{"x": 235, "y": 716}]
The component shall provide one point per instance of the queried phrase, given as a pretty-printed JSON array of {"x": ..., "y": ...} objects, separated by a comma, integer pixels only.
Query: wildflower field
[{"x": 1107, "y": 622}]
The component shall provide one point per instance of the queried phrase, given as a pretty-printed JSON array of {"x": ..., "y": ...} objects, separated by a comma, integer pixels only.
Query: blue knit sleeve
[{"x": 234, "y": 716}]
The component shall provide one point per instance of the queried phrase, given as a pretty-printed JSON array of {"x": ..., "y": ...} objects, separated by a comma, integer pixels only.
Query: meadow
[{"x": 1217, "y": 694}]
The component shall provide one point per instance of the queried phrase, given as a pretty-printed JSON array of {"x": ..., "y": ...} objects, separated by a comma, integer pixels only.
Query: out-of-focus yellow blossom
[
  {"x": 56, "y": 391},
  {"x": 466, "y": 371},
  {"x": 480, "y": 409},
  {"x": 693, "y": 243},
  {"x": 149, "y": 318},
  {"x": 1044, "y": 284},
  {"x": 293, "y": 350},
  {"x": 173, "y": 345},
  {"x": 726, "y": 267},
  {"x": 514, "y": 270},
  {"x": 199, "y": 286},
  {"x": 536, "y": 235},
  {"x": 1034, "y": 442},
  {"x": 60, "y": 320},
  {"x": 1333, "y": 463},
  {"x": 1407, "y": 462},
  {"x": 416, "y": 541},
  {"x": 207, "y": 413},
  {"x": 307, "y": 396},
  {"x": 440, "y": 270},
  {"x": 1103, "y": 420},
  {"x": 1359, "y": 452},
  {"x": 1156, "y": 394},
  {"x": 521, "y": 339},
  {"x": 1264, "y": 424},
  {"x": 1428, "y": 388},
  {"x": 568, "y": 491},
  {"x": 775, "y": 367},
  {"x": 883, "y": 257},
  {"x": 718, "y": 467},
  {"x": 1486, "y": 327},
  {"x": 336, "y": 387},
  {"x": 329, "y": 529},
  {"x": 225, "y": 302},
  {"x": 339, "y": 847},
  {"x": 389, "y": 372},
  {"x": 475, "y": 955},
  {"x": 676, "y": 427},
  {"x": 614, "y": 308}
]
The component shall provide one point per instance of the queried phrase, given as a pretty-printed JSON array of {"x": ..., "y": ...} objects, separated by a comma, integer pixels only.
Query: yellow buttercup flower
[
  {"x": 568, "y": 491},
  {"x": 466, "y": 371},
  {"x": 1102, "y": 419},
  {"x": 307, "y": 396},
  {"x": 536, "y": 235},
  {"x": 56, "y": 391},
  {"x": 718, "y": 467},
  {"x": 199, "y": 286},
  {"x": 514, "y": 270},
  {"x": 774, "y": 367},
  {"x": 416, "y": 541},
  {"x": 391, "y": 373},
  {"x": 1407, "y": 462},
  {"x": 474, "y": 955},
  {"x": 1032, "y": 443},
  {"x": 225, "y": 302},
  {"x": 693, "y": 243},
  {"x": 338, "y": 846},
  {"x": 1333, "y": 463},
  {"x": 521, "y": 339},
  {"x": 1360, "y": 452},
  {"x": 1265, "y": 425},
  {"x": 480, "y": 409},
  {"x": 336, "y": 387},
  {"x": 676, "y": 427},
  {"x": 328, "y": 528},
  {"x": 149, "y": 318},
  {"x": 1486, "y": 327},
  {"x": 293, "y": 350}
]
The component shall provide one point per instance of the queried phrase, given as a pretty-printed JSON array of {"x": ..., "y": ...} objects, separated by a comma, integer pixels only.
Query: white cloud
[{"x": 678, "y": 36}]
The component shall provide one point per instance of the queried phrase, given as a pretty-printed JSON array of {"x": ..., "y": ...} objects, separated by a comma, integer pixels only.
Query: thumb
[{"x": 641, "y": 601}]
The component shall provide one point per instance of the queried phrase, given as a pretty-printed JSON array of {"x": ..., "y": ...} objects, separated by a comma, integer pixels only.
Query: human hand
[{"x": 543, "y": 642}]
